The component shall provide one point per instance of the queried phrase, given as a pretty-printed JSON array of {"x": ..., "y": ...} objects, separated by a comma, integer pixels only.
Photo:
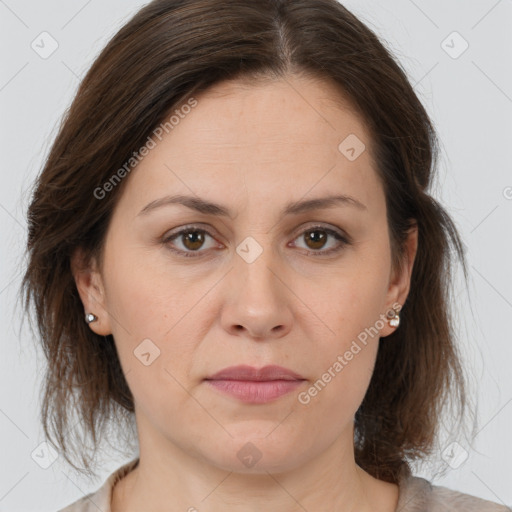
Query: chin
[{"x": 253, "y": 455}]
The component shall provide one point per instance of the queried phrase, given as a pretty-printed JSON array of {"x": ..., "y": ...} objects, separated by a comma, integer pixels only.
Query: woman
[{"x": 233, "y": 249}]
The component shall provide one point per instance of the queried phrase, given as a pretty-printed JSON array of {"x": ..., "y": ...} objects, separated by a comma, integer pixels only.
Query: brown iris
[
  {"x": 193, "y": 240},
  {"x": 317, "y": 240}
]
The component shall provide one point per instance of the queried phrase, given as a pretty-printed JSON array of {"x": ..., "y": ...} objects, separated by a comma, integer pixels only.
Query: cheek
[
  {"x": 349, "y": 300},
  {"x": 142, "y": 301},
  {"x": 345, "y": 358},
  {"x": 149, "y": 317},
  {"x": 152, "y": 333},
  {"x": 346, "y": 337}
]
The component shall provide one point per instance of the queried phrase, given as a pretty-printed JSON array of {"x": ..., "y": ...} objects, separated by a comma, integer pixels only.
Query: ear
[
  {"x": 400, "y": 282},
  {"x": 91, "y": 289}
]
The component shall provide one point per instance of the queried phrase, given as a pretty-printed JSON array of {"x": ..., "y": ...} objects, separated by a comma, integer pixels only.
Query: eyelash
[{"x": 195, "y": 254}]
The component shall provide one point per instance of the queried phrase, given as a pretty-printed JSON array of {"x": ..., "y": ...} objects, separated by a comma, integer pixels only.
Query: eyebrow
[{"x": 211, "y": 208}]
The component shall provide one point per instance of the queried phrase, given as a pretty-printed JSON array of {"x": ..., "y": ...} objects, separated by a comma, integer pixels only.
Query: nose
[{"x": 257, "y": 297}]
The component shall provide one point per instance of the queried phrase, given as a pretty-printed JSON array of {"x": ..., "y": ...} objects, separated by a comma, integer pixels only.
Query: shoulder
[
  {"x": 455, "y": 500},
  {"x": 84, "y": 504},
  {"x": 102, "y": 498},
  {"x": 418, "y": 494}
]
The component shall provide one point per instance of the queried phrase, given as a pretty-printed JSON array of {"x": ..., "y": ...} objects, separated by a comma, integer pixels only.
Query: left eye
[
  {"x": 192, "y": 239},
  {"x": 317, "y": 237}
]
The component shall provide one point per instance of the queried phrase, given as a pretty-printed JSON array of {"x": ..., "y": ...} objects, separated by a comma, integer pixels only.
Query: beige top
[{"x": 415, "y": 495}]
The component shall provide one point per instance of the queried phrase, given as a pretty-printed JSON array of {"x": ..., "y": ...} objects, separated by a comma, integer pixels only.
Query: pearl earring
[
  {"x": 89, "y": 317},
  {"x": 393, "y": 318}
]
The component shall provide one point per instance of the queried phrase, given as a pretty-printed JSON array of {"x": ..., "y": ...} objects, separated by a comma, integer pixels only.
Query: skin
[{"x": 252, "y": 148}]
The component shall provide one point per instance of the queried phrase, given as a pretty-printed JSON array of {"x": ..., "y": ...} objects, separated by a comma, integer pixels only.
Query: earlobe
[{"x": 90, "y": 287}]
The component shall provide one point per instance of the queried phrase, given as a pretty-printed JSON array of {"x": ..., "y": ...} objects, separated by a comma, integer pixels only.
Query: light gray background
[{"x": 470, "y": 101}]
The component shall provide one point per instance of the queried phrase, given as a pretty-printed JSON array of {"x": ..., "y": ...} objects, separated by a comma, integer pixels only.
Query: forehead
[
  {"x": 287, "y": 111},
  {"x": 277, "y": 136}
]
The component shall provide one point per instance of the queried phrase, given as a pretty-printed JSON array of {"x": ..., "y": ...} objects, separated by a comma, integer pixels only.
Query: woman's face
[{"x": 258, "y": 286}]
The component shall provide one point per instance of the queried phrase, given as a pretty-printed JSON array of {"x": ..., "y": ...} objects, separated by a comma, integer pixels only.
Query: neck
[{"x": 173, "y": 479}]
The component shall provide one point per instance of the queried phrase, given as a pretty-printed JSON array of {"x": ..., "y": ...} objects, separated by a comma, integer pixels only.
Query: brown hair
[{"x": 170, "y": 50}]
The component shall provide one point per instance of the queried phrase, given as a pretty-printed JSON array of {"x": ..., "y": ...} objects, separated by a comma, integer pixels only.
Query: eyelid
[
  {"x": 343, "y": 238},
  {"x": 174, "y": 234},
  {"x": 322, "y": 225}
]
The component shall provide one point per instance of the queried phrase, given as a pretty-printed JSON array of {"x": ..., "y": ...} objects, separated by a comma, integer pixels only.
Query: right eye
[{"x": 191, "y": 239}]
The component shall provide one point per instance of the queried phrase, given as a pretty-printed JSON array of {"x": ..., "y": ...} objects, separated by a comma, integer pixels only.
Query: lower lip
[{"x": 257, "y": 392}]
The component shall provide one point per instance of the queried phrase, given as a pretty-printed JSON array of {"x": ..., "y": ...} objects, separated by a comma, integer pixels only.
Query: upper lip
[{"x": 245, "y": 372}]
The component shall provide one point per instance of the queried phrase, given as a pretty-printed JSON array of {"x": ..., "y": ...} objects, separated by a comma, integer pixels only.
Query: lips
[
  {"x": 250, "y": 373},
  {"x": 253, "y": 385}
]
